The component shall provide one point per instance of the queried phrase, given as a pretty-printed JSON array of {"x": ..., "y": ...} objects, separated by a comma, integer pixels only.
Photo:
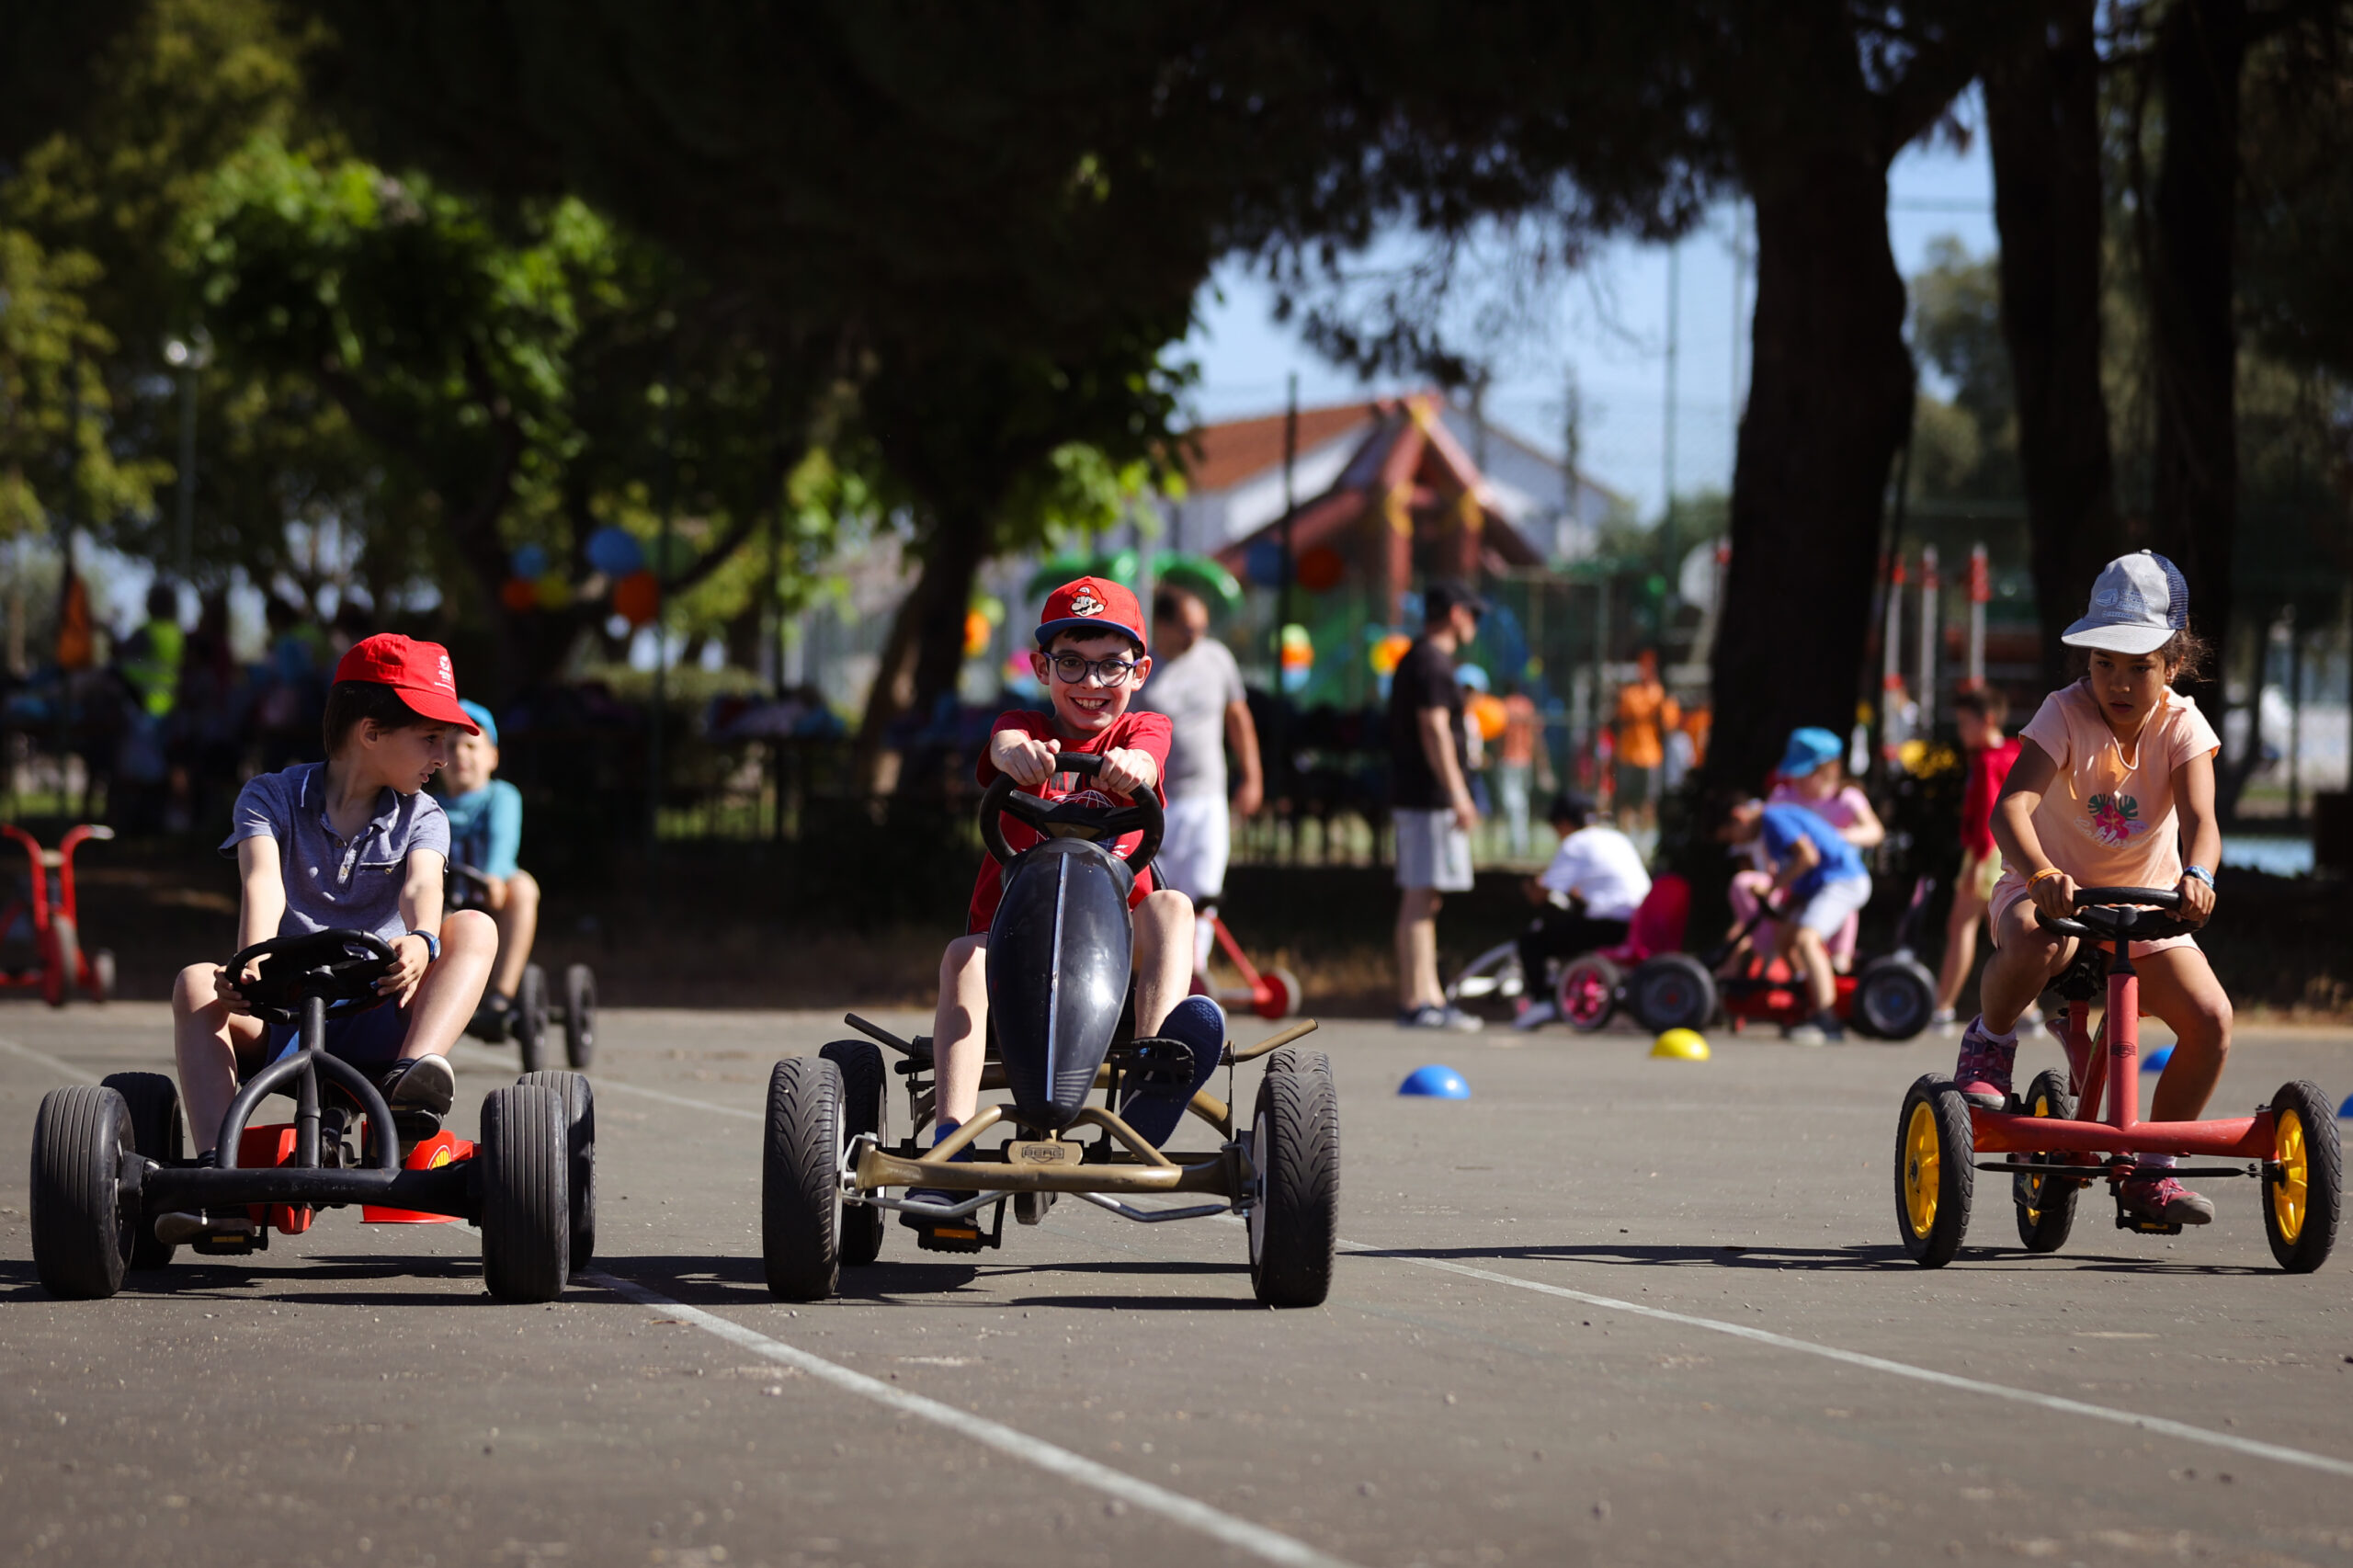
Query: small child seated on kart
[
  {"x": 1587, "y": 897},
  {"x": 485, "y": 835},
  {"x": 1820, "y": 879},
  {"x": 352, "y": 842},
  {"x": 2115, "y": 775},
  {"x": 1091, "y": 657},
  {"x": 1813, "y": 773}
]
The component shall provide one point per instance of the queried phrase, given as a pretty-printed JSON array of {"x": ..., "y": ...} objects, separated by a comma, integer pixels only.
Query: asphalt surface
[{"x": 1610, "y": 1310}]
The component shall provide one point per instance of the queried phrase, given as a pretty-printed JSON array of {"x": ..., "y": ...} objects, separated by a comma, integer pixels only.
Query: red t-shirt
[
  {"x": 1988, "y": 769},
  {"x": 1134, "y": 730}
]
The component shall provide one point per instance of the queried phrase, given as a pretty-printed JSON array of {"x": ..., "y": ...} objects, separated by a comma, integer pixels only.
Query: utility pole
[
  {"x": 1928, "y": 607},
  {"x": 661, "y": 619},
  {"x": 1666, "y": 519},
  {"x": 1981, "y": 589},
  {"x": 186, "y": 355}
]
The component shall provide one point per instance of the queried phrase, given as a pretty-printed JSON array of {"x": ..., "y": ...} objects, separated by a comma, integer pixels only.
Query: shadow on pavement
[{"x": 1847, "y": 1259}]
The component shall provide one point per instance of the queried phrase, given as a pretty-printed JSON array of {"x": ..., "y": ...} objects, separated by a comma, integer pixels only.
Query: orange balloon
[
  {"x": 976, "y": 634},
  {"x": 1388, "y": 651},
  {"x": 1487, "y": 712},
  {"x": 519, "y": 594},
  {"x": 637, "y": 598}
]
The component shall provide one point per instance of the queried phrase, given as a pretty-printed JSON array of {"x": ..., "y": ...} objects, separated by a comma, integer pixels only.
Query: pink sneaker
[
  {"x": 2161, "y": 1200},
  {"x": 1984, "y": 1070}
]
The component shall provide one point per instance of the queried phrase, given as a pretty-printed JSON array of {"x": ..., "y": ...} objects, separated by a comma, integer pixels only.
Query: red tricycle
[
  {"x": 2050, "y": 1155},
  {"x": 1272, "y": 993},
  {"x": 48, "y": 911}
]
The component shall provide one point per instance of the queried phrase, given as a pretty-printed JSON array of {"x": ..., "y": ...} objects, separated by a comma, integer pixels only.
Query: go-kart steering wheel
[
  {"x": 1105, "y": 825},
  {"x": 2133, "y": 915},
  {"x": 340, "y": 967}
]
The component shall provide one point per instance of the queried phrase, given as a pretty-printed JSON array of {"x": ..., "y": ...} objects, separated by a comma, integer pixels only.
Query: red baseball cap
[
  {"x": 1090, "y": 604},
  {"x": 420, "y": 672}
]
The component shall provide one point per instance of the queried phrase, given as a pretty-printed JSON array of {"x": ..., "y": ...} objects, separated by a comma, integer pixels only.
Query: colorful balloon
[
  {"x": 529, "y": 560},
  {"x": 637, "y": 598},
  {"x": 519, "y": 594},
  {"x": 615, "y": 552},
  {"x": 1320, "y": 569}
]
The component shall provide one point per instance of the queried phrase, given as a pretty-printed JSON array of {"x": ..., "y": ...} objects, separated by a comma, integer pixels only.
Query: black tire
[
  {"x": 859, "y": 1062},
  {"x": 2302, "y": 1202},
  {"x": 531, "y": 1018},
  {"x": 1673, "y": 991},
  {"x": 1894, "y": 998},
  {"x": 580, "y": 1146},
  {"x": 80, "y": 1235},
  {"x": 526, "y": 1204},
  {"x": 2046, "y": 1205},
  {"x": 579, "y": 1015},
  {"x": 153, "y": 1103},
  {"x": 1295, "y": 1144},
  {"x": 64, "y": 971},
  {"x": 801, "y": 1201},
  {"x": 102, "y": 975},
  {"x": 1935, "y": 1172},
  {"x": 1585, "y": 995}
]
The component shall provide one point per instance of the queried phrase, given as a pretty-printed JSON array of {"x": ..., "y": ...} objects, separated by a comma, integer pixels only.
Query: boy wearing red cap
[
  {"x": 352, "y": 842},
  {"x": 1091, "y": 660}
]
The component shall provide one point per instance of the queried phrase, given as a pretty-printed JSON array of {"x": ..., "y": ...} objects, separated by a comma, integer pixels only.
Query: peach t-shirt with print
[{"x": 2109, "y": 818}]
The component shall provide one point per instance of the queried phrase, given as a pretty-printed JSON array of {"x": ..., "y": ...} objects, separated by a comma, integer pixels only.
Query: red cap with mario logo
[
  {"x": 420, "y": 672},
  {"x": 1090, "y": 604}
]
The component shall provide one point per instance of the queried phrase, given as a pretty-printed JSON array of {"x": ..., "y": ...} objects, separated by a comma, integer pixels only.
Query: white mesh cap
[{"x": 2137, "y": 603}]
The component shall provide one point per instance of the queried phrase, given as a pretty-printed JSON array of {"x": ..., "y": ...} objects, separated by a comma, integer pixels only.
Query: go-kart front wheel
[
  {"x": 801, "y": 1200},
  {"x": 860, "y": 1064},
  {"x": 580, "y": 1148},
  {"x": 530, "y": 1018},
  {"x": 1673, "y": 991},
  {"x": 1934, "y": 1177},
  {"x": 2302, "y": 1186},
  {"x": 1295, "y": 1149},
  {"x": 1586, "y": 993},
  {"x": 1894, "y": 998},
  {"x": 2046, "y": 1204},
  {"x": 153, "y": 1101},
  {"x": 525, "y": 1150},
  {"x": 80, "y": 1235},
  {"x": 579, "y": 1015}
]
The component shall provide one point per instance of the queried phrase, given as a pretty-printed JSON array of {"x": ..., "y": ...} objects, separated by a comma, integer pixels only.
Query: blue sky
[{"x": 1609, "y": 322}]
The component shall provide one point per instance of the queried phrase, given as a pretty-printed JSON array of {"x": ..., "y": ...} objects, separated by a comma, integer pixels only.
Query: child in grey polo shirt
[{"x": 349, "y": 844}]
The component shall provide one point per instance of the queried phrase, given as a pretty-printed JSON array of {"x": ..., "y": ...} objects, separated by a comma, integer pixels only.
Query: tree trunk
[
  {"x": 2194, "y": 502},
  {"x": 2042, "y": 126},
  {"x": 925, "y": 649},
  {"x": 1829, "y": 404}
]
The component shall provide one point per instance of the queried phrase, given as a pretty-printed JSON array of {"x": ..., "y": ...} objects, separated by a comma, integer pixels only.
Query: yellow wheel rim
[
  {"x": 2034, "y": 1183},
  {"x": 2294, "y": 1189},
  {"x": 1923, "y": 1168}
]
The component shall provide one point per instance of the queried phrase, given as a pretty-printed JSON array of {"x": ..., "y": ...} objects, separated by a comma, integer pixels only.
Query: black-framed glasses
[{"x": 1071, "y": 669}]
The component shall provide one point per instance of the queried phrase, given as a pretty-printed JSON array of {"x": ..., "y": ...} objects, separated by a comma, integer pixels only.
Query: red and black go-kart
[
  {"x": 106, "y": 1158},
  {"x": 1061, "y": 952}
]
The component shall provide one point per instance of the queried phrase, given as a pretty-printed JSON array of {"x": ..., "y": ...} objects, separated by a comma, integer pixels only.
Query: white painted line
[
  {"x": 2065, "y": 1407},
  {"x": 1272, "y": 1546},
  {"x": 51, "y": 1062},
  {"x": 489, "y": 1058}
]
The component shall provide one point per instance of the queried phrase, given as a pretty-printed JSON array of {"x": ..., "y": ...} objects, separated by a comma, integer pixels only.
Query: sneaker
[
  {"x": 420, "y": 1082},
  {"x": 1945, "y": 1022},
  {"x": 1984, "y": 1070},
  {"x": 1198, "y": 1024},
  {"x": 1806, "y": 1033},
  {"x": 1433, "y": 1016},
  {"x": 1534, "y": 1014},
  {"x": 2160, "y": 1199}
]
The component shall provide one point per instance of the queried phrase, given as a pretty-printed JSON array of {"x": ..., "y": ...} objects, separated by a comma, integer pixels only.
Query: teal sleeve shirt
[{"x": 486, "y": 828}]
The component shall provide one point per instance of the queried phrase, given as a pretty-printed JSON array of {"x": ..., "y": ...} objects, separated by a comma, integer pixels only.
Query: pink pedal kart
[{"x": 2051, "y": 1154}]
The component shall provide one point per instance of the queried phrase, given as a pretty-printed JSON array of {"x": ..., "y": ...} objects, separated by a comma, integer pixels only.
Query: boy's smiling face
[
  {"x": 1088, "y": 705},
  {"x": 472, "y": 759}
]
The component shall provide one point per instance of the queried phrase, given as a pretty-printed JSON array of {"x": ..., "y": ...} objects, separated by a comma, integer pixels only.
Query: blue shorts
[{"x": 372, "y": 1038}]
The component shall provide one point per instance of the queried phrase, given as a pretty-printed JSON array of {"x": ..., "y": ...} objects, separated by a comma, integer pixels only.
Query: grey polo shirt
[{"x": 333, "y": 883}]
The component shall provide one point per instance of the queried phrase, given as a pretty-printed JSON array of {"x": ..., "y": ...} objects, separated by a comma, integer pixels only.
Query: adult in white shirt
[
  {"x": 1196, "y": 682},
  {"x": 1586, "y": 899}
]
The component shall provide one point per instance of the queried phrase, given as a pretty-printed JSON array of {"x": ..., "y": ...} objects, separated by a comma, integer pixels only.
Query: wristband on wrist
[
  {"x": 2201, "y": 873},
  {"x": 2046, "y": 871},
  {"x": 432, "y": 944}
]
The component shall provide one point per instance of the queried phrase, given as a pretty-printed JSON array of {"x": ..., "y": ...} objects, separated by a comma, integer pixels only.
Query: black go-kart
[
  {"x": 526, "y": 1022},
  {"x": 108, "y": 1163},
  {"x": 1061, "y": 1025}
]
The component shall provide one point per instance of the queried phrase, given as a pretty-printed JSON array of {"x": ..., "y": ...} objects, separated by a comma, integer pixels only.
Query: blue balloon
[
  {"x": 2154, "y": 1060},
  {"x": 1264, "y": 563},
  {"x": 530, "y": 562},
  {"x": 615, "y": 552},
  {"x": 1436, "y": 1083}
]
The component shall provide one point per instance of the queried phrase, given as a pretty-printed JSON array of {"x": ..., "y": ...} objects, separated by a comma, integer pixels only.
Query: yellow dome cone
[{"x": 1681, "y": 1045}]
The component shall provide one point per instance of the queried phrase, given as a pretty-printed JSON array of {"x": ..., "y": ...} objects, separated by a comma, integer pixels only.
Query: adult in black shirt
[{"x": 1430, "y": 800}]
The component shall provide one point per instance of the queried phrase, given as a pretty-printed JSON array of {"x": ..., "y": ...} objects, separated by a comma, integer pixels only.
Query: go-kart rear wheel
[
  {"x": 580, "y": 1144},
  {"x": 81, "y": 1236},
  {"x": 2046, "y": 1205},
  {"x": 530, "y": 1018},
  {"x": 63, "y": 967},
  {"x": 1673, "y": 991},
  {"x": 579, "y": 1015},
  {"x": 102, "y": 976},
  {"x": 801, "y": 1200},
  {"x": 1295, "y": 1148},
  {"x": 1586, "y": 993},
  {"x": 1894, "y": 998},
  {"x": 525, "y": 1150},
  {"x": 2302, "y": 1187},
  {"x": 1935, "y": 1175},
  {"x": 153, "y": 1101},
  {"x": 859, "y": 1062}
]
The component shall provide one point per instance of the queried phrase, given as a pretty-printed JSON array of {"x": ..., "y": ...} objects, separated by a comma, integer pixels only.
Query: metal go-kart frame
[
  {"x": 107, "y": 1160},
  {"x": 1891, "y": 997},
  {"x": 829, "y": 1165},
  {"x": 526, "y": 1023},
  {"x": 2050, "y": 1153}
]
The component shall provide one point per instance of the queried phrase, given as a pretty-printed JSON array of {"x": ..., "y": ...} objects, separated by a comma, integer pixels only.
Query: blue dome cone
[
  {"x": 2347, "y": 1108},
  {"x": 2155, "y": 1062},
  {"x": 1436, "y": 1083}
]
